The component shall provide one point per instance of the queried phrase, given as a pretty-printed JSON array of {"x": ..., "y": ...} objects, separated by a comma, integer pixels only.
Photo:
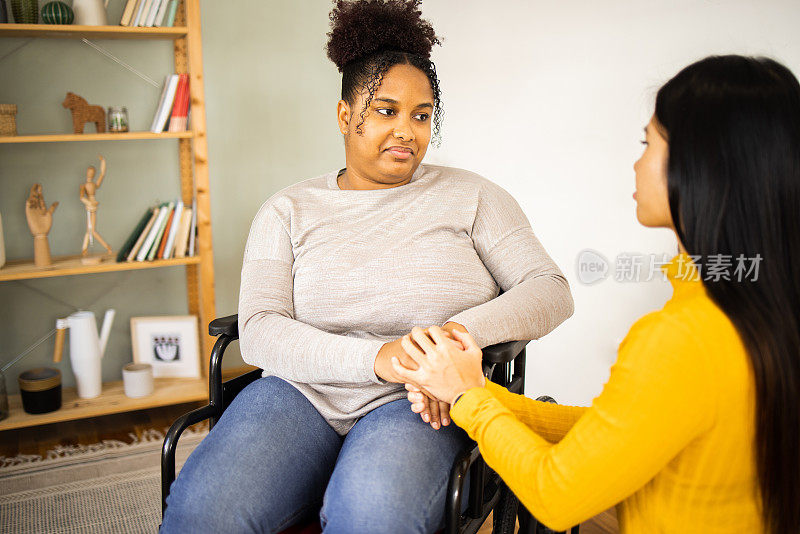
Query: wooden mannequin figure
[
  {"x": 87, "y": 195},
  {"x": 40, "y": 219}
]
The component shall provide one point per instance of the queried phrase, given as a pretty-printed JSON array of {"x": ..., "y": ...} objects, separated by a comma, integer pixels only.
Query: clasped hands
[{"x": 436, "y": 364}]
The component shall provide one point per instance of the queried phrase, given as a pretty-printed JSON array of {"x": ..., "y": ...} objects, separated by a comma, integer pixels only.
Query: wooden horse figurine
[{"x": 82, "y": 113}]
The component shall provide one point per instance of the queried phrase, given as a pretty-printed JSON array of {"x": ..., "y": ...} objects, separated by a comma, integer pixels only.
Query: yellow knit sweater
[{"x": 669, "y": 440}]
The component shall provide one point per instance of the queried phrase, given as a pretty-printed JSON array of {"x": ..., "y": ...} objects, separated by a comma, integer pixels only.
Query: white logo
[{"x": 592, "y": 267}]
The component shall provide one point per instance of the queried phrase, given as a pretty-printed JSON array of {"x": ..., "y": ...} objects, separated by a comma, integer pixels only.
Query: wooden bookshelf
[
  {"x": 113, "y": 400},
  {"x": 194, "y": 183},
  {"x": 71, "y": 265},
  {"x": 167, "y": 391},
  {"x": 61, "y": 31},
  {"x": 124, "y": 136}
]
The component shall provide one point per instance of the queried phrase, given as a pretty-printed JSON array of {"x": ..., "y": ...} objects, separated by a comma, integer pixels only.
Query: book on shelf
[
  {"x": 163, "y": 232},
  {"x": 149, "y": 13},
  {"x": 172, "y": 10},
  {"x": 165, "y": 103},
  {"x": 173, "y": 230},
  {"x": 193, "y": 229},
  {"x": 162, "y": 12},
  {"x": 151, "y": 234},
  {"x": 142, "y": 6},
  {"x": 127, "y": 13},
  {"x": 191, "y": 225},
  {"x": 137, "y": 231},
  {"x": 150, "y": 20},
  {"x": 182, "y": 237},
  {"x": 151, "y": 254},
  {"x": 148, "y": 5},
  {"x": 150, "y": 16},
  {"x": 180, "y": 109},
  {"x": 164, "y": 237},
  {"x": 143, "y": 235}
]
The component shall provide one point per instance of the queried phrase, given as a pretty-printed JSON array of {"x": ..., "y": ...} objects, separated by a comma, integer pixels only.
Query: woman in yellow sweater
[{"x": 698, "y": 426}]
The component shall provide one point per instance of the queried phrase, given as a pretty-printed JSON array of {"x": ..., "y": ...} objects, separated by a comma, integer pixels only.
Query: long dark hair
[{"x": 733, "y": 130}]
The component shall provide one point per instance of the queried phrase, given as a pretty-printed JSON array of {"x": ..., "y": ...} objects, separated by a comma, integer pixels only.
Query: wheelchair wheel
[{"x": 505, "y": 513}]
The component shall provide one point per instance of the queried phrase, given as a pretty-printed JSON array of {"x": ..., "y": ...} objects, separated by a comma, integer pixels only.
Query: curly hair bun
[{"x": 364, "y": 27}]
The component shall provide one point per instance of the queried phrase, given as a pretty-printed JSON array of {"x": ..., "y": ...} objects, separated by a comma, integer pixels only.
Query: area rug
[{"x": 108, "y": 487}]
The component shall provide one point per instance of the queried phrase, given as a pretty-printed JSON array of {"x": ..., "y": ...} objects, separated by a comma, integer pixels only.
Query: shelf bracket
[
  {"x": 115, "y": 59},
  {"x": 17, "y": 49}
]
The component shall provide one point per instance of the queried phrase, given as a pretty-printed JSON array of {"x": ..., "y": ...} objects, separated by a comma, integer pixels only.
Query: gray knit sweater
[{"x": 330, "y": 275}]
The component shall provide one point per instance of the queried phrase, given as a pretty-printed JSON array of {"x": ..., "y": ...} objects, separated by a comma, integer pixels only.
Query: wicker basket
[{"x": 8, "y": 119}]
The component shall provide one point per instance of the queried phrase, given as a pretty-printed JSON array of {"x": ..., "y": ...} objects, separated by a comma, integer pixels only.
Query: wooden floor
[
  {"x": 38, "y": 440},
  {"x": 605, "y": 523}
]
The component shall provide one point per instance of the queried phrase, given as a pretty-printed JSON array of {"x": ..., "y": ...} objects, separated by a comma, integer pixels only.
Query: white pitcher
[
  {"x": 90, "y": 12},
  {"x": 86, "y": 350}
]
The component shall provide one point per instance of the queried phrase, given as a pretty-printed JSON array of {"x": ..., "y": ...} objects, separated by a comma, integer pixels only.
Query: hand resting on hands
[
  {"x": 431, "y": 411},
  {"x": 444, "y": 367}
]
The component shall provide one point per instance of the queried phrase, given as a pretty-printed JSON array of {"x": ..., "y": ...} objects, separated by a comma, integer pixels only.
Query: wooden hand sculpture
[{"x": 40, "y": 219}]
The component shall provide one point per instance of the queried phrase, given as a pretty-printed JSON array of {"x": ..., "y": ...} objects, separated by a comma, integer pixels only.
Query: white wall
[
  {"x": 546, "y": 98},
  {"x": 549, "y": 99}
]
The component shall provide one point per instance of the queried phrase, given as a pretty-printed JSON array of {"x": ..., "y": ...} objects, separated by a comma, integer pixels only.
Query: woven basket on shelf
[
  {"x": 25, "y": 11},
  {"x": 8, "y": 120}
]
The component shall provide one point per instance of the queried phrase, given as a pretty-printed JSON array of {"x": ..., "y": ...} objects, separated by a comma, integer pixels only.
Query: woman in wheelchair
[
  {"x": 698, "y": 426},
  {"x": 336, "y": 270}
]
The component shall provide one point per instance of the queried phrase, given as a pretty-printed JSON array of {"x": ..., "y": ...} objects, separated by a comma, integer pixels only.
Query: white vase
[
  {"x": 2, "y": 245},
  {"x": 90, "y": 12}
]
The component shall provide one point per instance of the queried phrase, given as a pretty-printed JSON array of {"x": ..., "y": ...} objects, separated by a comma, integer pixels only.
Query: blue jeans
[{"x": 273, "y": 461}]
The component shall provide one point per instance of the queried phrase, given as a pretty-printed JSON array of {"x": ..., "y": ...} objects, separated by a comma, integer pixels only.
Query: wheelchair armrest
[
  {"x": 222, "y": 394},
  {"x": 503, "y": 352},
  {"x": 225, "y": 325},
  {"x": 171, "y": 443}
]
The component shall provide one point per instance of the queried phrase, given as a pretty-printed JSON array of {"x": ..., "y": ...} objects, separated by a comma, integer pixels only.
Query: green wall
[{"x": 270, "y": 108}]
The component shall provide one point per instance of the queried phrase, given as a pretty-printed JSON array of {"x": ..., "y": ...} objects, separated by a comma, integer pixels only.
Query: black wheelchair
[{"x": 503, "y": 363}]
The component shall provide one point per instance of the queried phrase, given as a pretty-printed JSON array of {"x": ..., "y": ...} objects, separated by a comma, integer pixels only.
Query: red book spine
[
  {"x": 186, "y": 98},
  {"x": 178, "y": 103},
  {"x": 184, "y": 110},
  {"x": 160, "y": 253},
  {"x": 180, "y": 107}
]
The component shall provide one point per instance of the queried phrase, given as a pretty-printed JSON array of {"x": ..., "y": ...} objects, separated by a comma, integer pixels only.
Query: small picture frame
[{"x": 168, "y": 343}]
